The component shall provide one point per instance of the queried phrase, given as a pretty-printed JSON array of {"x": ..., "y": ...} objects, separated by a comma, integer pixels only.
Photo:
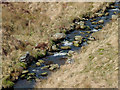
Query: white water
[
  {"x": 67, "y": 43},
  {"x": 60, "y": 54}
]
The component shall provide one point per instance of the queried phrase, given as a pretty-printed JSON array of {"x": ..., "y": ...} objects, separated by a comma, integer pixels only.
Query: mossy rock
[
  {"x": 88, "y": 32},
  {"x": 41, "y": 61},
  {"x": 45, "y": 67},
  {"x": 83, "y": 27},
  {"x": 115, "y": 12},
  {"x": 53, "y": 67},
  {"x": 30, "y": 77},
  {"x": 100, "y": 15},
  {"x": 65, "y": 47},
  {"x": 76, "y": 43},
  {"x": 86, "y": 35},
  {"x": 31, "y": 74},
  {"x": 23, "y": 76},
  {"x": 38, "y": 64},
  {"x": 84, "y": 40},
  {"x": 106, "y": 14},
  {"x": 101, "y": 21},
  {"x": 44, "y": 74},
  {"x": 78, "y": 38},
  {"x": 40, "y": 54},
  {"x": 25, "y": 71},
  {"x": 94, "y": 23}
]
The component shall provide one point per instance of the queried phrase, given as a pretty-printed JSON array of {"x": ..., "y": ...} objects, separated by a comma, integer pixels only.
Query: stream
[{"x": 60, "y": 57}]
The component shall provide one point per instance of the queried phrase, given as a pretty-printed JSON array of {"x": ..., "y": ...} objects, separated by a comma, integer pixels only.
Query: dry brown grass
[{"x": 95, "y": 67}]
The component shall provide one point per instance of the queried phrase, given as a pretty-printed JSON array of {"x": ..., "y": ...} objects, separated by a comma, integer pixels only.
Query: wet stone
[
  {"x": 78, "y": 38},
  {"x": 41, "y": 61},
  {"x": 44, "y": 74},
  {"x": 54, "y": 66},
  {"x": 38, "y": 64},
  {"x": 65, "y": 47},
  {"x": 25, "y": 71},
  {"x": 106, "y": 14},
  {"x": 101, "y": 21},
  {"x": 45, "y": 67},
  {"x": 94, "y": 23},
  {"x": 76, "y": 43},
  {"x": 31, "y": 74},
  {"x": 22, "y": 76}
]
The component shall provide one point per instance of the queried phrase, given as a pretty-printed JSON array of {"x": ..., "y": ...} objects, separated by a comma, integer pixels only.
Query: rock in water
[
  {"x": 58, "y": 36},
  {"x": 76, "y": 43},
  {"x": 44, "y": 74},
  {"x": 54, "y": 66},
  {"x": 45, "y": 67},
  {"x": 101, "y": 21},
  {"x": 78, "y": 38},
  {"x": 25, "y": 72},
  {"x": 65, "y": 47}
]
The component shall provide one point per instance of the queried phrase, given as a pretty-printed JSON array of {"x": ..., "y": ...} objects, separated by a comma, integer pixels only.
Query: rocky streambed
[{"x": 80, "y": 34}]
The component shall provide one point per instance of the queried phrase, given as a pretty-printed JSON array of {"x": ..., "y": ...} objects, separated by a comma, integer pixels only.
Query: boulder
[
  {"x": 58, "y": 36},
  {"x": 65, "y": 47},
  {"x": 54, "y": 66}
]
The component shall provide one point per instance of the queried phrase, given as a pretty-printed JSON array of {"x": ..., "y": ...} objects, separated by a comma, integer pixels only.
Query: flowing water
[{"x": 61, "y": 57}]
